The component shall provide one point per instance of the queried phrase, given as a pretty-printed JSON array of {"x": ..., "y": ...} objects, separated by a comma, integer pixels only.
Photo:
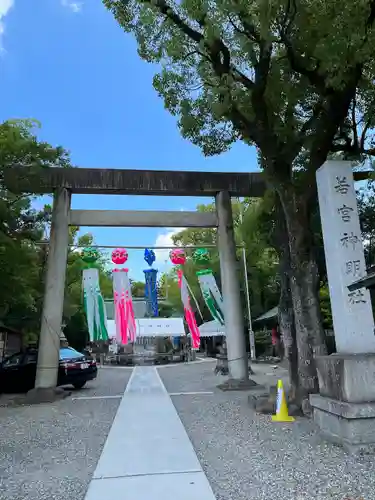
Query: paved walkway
[{"x": 148, "y": 454}]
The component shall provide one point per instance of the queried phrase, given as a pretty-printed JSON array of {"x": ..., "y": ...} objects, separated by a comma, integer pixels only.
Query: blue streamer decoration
[
  {"x": 149, "y": 256},
  {"x": 151, "y": 292}
]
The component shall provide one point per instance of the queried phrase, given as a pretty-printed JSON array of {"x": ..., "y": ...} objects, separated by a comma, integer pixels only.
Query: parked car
[{"x": 17, "y": 372}]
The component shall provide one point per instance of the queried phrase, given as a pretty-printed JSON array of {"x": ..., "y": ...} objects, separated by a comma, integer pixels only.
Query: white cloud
[
  {"x": 5, "y": 6},
  {"x": 73, "y": 6},
  {"x": 165, "y": 240}
]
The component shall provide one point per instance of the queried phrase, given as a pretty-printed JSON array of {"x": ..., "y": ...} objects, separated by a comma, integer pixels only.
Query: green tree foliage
[
  {"x": 261, "y": 261},
  {"x": 366, "y": 210},
  {"x": 169, "y": 295},
  {"x": 294, "y": 78},
  {"x": 265, "y": 72},
  {"x": 21, "y": 225},
  {"x": 325, "y": 305},
  {"x": 138, "y": 288},
  {"x": 22, "y": 259},
  {"x": 262, "y": 258}
]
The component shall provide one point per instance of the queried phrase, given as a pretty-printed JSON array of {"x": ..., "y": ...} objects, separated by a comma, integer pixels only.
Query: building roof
[
  {"x": 272, "y": 313},
  {"x": 367, "y": 281},
  {"x": 8, "y": 329}
]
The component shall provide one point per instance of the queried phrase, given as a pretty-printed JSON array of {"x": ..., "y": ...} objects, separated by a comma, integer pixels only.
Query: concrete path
[{"x": 148, "y": 455}]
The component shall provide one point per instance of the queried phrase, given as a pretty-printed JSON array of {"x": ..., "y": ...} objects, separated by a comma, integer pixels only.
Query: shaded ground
[
  {"x": 49, "y": 452},
  {"x": 245, "y": 456}
]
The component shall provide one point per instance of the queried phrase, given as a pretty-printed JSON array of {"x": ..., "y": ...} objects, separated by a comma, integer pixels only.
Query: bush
[
  {"x": 331, "y": 344},
  {"x": 263, "y": 342}
]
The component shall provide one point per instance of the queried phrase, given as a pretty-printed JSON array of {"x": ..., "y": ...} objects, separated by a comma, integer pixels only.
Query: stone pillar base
[
  {"x": 344, "y": 410},
  {"x": 40, "y": 395}
]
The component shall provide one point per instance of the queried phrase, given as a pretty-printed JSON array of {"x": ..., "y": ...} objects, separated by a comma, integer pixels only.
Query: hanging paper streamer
[
  {"x": 92, "y": 298},
  {"x": 151, "y": 289},
  {"x": 211, "y": 294},
  {"x": 178, "y": 257},
  {"x": 123, "y": 303},
  {"x": 210, "y": 290}
]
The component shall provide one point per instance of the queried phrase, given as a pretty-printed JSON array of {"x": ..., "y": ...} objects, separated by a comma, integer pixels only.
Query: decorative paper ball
[
  {"x": 177, "y": 256},
  {"x": 89, "y": 255},
  {"x": 149, "y": 256},
  {"x": 119, "y": 256},
  {"x": 201, "y": 256}
]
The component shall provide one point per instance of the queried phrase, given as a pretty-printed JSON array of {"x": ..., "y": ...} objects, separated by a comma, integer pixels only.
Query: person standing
[{"x": 275, "y": 341}]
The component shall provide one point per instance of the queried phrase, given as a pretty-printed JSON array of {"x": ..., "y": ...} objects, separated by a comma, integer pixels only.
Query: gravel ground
[
  {"x": 245, "y": 456},
  {"x": 110, "y": 382},
  {"x": 193, "y": 377},
  {"x": 197, "y": 377},
  {"x": 49, "y": 452}
]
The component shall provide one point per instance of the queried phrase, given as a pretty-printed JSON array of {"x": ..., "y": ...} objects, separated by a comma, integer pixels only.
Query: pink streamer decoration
[
  {"x": 189, "y": 313},
  {"x": 118, "y": 319},
  {"x": 124, "y": 314}
]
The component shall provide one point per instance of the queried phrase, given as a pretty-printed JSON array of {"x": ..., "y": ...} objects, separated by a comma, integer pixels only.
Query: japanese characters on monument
[{"x": 353, "y": 320}]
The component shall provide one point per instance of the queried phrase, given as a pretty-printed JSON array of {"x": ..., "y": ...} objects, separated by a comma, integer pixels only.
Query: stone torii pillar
[
  {"x": 233, "y": 314},
  {"x": 49, "y": 340}
]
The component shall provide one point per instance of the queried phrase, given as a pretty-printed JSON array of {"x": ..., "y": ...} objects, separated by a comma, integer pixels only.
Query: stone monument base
[
  {"x": 344, "y": 410},
  {"x": 350, "y": 425}
]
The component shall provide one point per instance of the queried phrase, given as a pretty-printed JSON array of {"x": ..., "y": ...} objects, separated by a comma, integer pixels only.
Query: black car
[{"x": 17, "y": 372}]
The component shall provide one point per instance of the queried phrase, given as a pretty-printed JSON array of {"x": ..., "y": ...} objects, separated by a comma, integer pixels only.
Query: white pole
[
  {"x": 166, "y": 282},
  {"x": 247, "y": 293}
]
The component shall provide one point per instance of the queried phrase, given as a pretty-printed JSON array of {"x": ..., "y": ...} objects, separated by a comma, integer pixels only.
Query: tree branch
[
  {"x": 371, "y": 18},
  {"x": 369, "y": 152},
  {"x": 168, "y": 12},
  {"x": 311, "y": 122},
  {"x": 334, "y": 112},
  {"x": 262, "y": 69},
  {"x": 354, "y": 145},
  {"x": 249, "y": 27},
  {"x": 363, "y": 135},
  {"x": 219, "y": 56},
  {"x": 218, "y": 52},
  {"x": 298, "y": 65},
  {"x": 354, "y": 121},
  {"x": 296, "y": 61}
]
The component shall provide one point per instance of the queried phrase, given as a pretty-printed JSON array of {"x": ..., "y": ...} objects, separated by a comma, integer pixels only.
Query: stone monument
[{"x": 345, "y": 408}]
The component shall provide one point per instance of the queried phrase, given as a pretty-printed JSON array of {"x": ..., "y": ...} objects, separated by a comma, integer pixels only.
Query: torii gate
[{"x": 63, "y": 182}]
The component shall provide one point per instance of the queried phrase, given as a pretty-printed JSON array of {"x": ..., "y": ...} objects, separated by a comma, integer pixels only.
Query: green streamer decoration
[
  {"x": 210, "y": 290},
  {"x": 92, "y": 298}
]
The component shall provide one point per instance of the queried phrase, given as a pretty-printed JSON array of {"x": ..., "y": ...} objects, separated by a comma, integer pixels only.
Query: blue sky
[{"x": 69, "y": 65}]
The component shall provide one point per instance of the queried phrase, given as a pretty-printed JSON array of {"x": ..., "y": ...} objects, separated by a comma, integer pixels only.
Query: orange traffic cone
[{"x": 282, "y": 414}]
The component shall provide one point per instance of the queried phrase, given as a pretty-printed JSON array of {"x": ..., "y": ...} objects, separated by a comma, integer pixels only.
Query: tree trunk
[
  {"x": 288, "y": 331},
  {"x": 304, "y": 285},
  {"x": 286, "y": 313}
]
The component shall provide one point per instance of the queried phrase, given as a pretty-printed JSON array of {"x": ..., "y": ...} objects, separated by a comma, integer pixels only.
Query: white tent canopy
[
  {"x": 212, "y": 329},
  {"x": 168, "y": 327},
  {"x": 153, "y": 327}
]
